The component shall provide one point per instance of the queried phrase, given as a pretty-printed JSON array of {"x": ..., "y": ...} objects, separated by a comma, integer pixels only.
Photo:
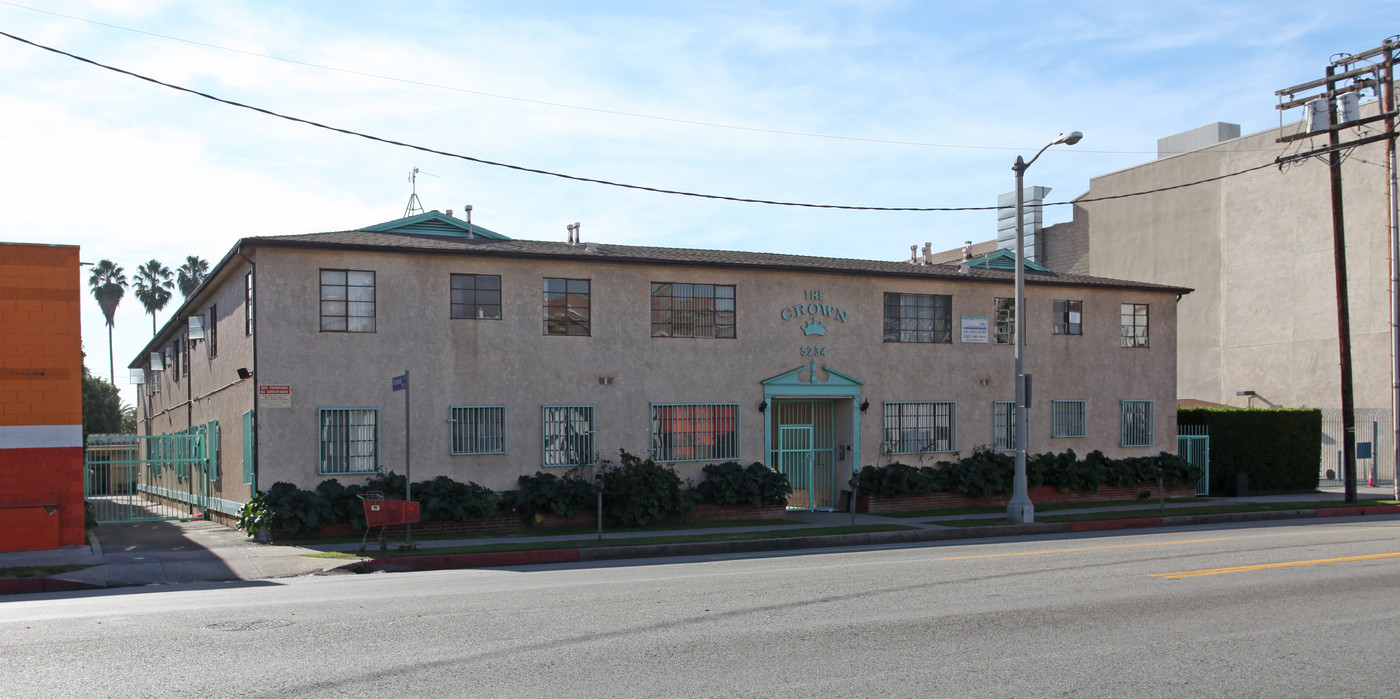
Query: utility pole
[{"x": 1323, "y": 115}]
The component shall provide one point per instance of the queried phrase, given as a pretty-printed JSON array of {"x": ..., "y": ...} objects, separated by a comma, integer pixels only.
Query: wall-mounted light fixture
[
  {"x": 864, "y": 405},
  {"x": 244, "y": 374},
  {"x": 762, "y": 406}
]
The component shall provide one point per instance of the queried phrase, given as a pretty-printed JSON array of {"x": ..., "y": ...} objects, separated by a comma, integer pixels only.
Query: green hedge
[
  {"x": 1280, "y": 448},
  {"x": 988, "y": 473}
]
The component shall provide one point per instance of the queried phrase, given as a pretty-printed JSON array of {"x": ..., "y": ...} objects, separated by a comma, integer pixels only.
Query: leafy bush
[
  {"x": 637, "y": 491},
  {"x": 544, "y": 494},
  {"x": 444, "y": 499},
  {"x": 731, "y": 484},
  {"x": 988, "y": 473},
  {"x": 292, "y": 510}
]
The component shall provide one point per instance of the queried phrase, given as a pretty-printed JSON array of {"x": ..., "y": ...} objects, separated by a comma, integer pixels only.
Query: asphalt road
[{"x": 1123, "y": 615}]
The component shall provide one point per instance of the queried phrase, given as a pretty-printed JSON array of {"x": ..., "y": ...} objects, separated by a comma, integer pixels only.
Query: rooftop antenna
[{"x": 414, "y": 205}]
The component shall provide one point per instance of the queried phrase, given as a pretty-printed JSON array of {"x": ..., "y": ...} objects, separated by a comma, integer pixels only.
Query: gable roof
[
  {"x": 1003, "y": 259},
  {"x": 435, "y": 223}
]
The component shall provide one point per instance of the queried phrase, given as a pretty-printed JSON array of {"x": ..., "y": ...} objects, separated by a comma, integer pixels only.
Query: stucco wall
[
  {"x": 509, "y": 361},
  {"x": 1257, "y": 249}
]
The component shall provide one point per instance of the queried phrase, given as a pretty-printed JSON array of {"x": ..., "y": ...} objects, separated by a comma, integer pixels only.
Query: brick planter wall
[
  {"x": 1042, "y": 494},
  {"x": 509, "y": 523}
]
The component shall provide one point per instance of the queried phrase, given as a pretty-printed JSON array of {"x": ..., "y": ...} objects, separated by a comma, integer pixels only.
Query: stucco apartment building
[{"x": 533, "y": 355}]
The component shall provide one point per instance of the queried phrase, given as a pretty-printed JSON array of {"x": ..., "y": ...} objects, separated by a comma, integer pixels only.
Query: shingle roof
[{"x": 636, "y": 254}]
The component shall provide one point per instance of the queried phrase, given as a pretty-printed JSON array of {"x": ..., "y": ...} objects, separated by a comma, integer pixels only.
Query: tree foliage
[
  {"x": 191, "y": 274},
  {"x": 108, "y": 285},
  {"x": 153, "y": 285}
]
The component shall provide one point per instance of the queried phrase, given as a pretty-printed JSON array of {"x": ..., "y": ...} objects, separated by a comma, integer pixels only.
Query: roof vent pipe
[
  {"x": 914, "y": 254},
  {"x": 928, "y": 253},
  {"x": 570, "y": 228},
  {"x": 449, "y": 213},
  {"x": 470, "y": 233},
  {"x": 967, "y": 251},
  {"x": 578, "y": 233}
]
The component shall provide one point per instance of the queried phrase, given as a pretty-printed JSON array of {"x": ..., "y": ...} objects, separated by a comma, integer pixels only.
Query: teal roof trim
[
  {"x": 1002, "y": 259},
  {"x": 792, "y": 383},
  {"x": 435, "y": 223}
]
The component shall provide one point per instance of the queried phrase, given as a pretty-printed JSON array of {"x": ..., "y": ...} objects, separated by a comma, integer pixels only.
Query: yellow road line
[
  {"x": 1268, "y": 566},
  {"x": 1164, "y": 543}
]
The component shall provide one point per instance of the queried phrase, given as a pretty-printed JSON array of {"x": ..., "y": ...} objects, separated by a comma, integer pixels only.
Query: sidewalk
[{"x": 157, "y": 553}]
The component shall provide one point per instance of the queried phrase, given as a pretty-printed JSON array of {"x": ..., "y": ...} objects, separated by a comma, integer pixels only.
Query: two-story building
[{"x": 526, "y": 355}]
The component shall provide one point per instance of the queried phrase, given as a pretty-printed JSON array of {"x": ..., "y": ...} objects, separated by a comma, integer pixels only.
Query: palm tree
[
  {"x": 191, "y": 274},
  {"x": 153, "y": 287},
  {"x": 108, "y": 284}
]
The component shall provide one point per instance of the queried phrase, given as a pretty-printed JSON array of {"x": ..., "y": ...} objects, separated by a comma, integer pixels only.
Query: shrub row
[
  {"x": 635, "y": 492},
  {"x": 988, "y": 473}
]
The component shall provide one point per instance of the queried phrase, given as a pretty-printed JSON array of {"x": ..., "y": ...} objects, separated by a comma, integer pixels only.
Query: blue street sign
[
  {"x": 1363, "y": 450},
  {"x": 401, "y": 382}
]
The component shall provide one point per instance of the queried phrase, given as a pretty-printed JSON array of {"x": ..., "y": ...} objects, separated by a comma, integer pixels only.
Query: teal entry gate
[
  {"x": 138, "y": 478},
  {"x": 1193, "y": 445},
  {"x": 805, "y": 451}
]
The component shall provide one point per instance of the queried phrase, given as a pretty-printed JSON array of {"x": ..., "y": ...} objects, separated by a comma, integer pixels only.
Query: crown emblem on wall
[{"x": 814, "y": 327}]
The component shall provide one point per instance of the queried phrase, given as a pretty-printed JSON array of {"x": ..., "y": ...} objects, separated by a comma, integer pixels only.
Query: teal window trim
[
  {"x": 695, "y": 432},
  {"x": 349, "y": 441},
  {"x": 1004, "y": 425},
  {"x": 921, "y": 427},
  {"x": 567, "y": 435},
  {"x": 477, "y": 429},
  {"x": 1136, "y": 425},
  {"x": 248, "y": 449},
  {"x": 1068, "y": 418},
  {"x": 213, "y": 445}
]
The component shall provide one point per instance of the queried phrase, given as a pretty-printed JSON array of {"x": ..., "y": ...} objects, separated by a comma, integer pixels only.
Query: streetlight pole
[{"x": 1021, "y": 510}]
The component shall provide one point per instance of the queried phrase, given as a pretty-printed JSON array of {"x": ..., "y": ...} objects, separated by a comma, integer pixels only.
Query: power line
[{"x": 577, "y": 178}]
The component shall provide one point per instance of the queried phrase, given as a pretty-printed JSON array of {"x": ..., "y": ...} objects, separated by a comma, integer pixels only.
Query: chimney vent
[
  {"x": 928, "y": 253},
  {"x": 914, "y": 254},
  {"x": 967, "y": 251},
  {"x": 449, "y": 213},
  {"x": 470, "y": 233}
]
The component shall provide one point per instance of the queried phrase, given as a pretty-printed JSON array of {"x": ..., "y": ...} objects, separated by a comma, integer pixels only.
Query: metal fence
[
  {"x": 1193, "y": 444},
  {"x": 1375, "y": 439}
]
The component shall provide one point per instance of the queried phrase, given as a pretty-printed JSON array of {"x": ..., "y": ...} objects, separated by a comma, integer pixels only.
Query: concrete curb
[{"x": 794, "y": 543}]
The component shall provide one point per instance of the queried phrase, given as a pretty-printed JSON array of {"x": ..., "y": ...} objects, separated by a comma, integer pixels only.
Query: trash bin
[{"x": 1237, "y": 484}]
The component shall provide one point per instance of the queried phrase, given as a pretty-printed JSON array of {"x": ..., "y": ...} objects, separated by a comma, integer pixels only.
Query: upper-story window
[
  {"x": 476, "y": 296},
  {"x": 347, "y": 301},
  {"x": 211, "y": 331},
  {"x": 567, "y": 308},
  {"x": 918, "y": 318},
  {"x": 1005, "y": 321},
  {"x": 692, "y": 310},
  {"x": 1068, "y": 317},
  {"x": 1134, "y": 316},
  {"x": 248, "y": 303}
]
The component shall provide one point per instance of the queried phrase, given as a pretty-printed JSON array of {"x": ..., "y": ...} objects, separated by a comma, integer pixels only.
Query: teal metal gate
[
  {"x": 805, "y": 452},
  {"x": 137, "y": 478},
  {"x": 1193, "y": 445}
]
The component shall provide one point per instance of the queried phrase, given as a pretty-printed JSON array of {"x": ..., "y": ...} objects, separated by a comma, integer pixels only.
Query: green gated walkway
[
  {"x": 135, "y": 478},
  {"x": 1193, "y": 444}
]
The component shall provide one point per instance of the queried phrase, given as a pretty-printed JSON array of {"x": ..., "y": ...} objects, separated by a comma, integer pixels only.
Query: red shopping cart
[{"x": 384, "y": 513}]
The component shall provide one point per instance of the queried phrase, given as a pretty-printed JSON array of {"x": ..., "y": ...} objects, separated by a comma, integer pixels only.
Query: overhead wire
[{"x": 592, "y": 180}]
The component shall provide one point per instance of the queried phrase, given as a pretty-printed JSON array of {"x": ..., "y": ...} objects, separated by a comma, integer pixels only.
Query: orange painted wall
[{"x": 41, "y": 489}]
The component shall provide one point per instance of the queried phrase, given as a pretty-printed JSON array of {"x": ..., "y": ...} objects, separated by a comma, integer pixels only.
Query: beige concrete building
[{"x": 524, "y": 356}]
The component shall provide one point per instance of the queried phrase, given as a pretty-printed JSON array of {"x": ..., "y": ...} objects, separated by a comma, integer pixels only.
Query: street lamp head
[{"x": 1070, "y": 138}]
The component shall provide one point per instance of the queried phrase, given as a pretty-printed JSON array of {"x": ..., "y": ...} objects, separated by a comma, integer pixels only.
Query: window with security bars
[
  {"x": 349, "y": 441},
  {"x": 568, "y": 435},
  {"x": 1134, "y": 322},
  {"x": 1004, "y": 425},
  {"x": 248, "y": 304},
  {"x": 918, "y": 428},
  {"x": 1067, "y": 418},
  {"x": 918, "y": 318},
  {"x": 1004, "y": 321},
  {"x": 692, "y": 310},
  {"x": 347, "y": 301},
  {"x": 1137, "y": 423},
  {"x": 476, "y": 296},
  {"x": 567, "y": 308},
  {"x": 478, "y": 429},
  {"x": 1068, "y": 316},
  {"x": 695, "y": 432}
]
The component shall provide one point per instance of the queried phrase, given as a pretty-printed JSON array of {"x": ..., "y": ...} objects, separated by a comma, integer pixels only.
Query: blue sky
[{"x": 920, "y": 104}]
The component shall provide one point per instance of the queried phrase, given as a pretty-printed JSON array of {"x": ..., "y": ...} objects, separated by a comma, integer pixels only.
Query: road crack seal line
[{"x": 258, "y": 625}]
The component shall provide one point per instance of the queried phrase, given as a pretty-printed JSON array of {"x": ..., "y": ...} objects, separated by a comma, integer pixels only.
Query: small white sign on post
[
  {"x": 275, "y": 396},
  {"x": 974, "y": 329}
]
